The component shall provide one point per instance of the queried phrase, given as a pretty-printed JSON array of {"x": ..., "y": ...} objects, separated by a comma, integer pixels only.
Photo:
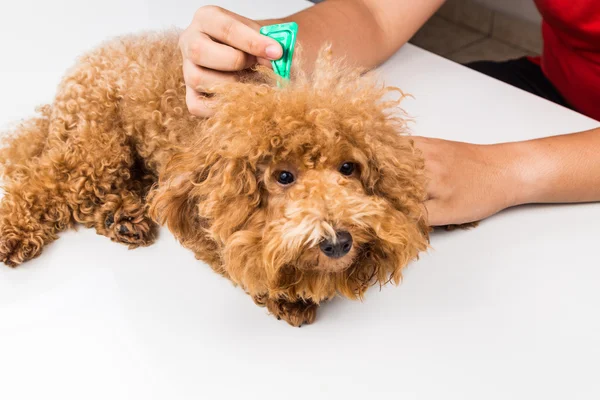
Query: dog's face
[{"x": 306, "y": 191}]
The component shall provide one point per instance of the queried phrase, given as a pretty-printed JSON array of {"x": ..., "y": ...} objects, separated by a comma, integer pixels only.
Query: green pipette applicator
[{"x": 285, "y": 34}]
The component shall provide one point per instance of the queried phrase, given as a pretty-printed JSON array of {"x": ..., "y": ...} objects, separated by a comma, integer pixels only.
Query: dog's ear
[
  {"x": 396, "y": 171},
  {"x": 172, "y": 203},
  {"x": 203, "y": 194},
  {"x": 230, "y": 195}
]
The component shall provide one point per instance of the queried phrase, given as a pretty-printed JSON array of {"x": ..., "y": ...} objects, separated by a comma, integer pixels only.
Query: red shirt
[{"x": 571, "y": 56}]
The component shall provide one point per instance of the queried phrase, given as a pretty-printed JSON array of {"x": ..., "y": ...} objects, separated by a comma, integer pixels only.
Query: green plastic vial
[{"x": 285, "y": 34}]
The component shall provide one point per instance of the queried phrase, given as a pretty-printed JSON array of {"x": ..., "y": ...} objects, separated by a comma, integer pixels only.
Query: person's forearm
[
  {"x": 557, "y": 169},
  {"x": 367, "y": 32}
]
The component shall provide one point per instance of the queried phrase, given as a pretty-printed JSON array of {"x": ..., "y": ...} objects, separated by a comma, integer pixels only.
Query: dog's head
[{"x": 305, "y": 191}]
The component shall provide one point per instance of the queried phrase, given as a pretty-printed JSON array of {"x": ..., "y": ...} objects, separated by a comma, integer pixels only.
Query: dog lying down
[{"x": 296, "y": 193}]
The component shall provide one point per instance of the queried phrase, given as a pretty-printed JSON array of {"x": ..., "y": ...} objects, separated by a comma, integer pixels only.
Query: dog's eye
[
  {"x": 347, "y": 168},
  {"x": 285, "y": 177}
]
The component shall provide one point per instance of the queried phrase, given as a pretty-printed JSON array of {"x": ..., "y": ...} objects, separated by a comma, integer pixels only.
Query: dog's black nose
[{"x": 338, "y": 249}]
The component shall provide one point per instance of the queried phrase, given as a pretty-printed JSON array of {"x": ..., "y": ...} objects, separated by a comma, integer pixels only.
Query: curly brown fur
[{"x": 119, "y": 123}]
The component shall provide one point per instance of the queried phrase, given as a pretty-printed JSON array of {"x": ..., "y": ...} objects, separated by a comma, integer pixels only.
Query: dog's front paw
[
  {"x": 134, "y": 231},
  {"x": 296, "y": 313}
]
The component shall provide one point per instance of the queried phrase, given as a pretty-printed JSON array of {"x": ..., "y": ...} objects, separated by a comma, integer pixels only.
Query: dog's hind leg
[
  {"x": 31, "y": 216},
  {"x": 32, "y": 211}
]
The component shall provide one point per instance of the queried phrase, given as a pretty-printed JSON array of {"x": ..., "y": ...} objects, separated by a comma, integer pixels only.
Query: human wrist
[{"x": 527, "y": 172}]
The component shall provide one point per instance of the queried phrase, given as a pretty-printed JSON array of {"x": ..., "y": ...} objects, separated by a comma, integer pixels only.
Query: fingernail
[{"x": 274, "y": 51}]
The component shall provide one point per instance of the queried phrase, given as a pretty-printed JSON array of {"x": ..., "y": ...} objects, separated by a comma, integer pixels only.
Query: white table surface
[{"x": 509, "y": 310}]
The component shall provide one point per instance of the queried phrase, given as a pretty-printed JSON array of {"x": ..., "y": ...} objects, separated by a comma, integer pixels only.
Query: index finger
[{"x": 233, "y": 32}]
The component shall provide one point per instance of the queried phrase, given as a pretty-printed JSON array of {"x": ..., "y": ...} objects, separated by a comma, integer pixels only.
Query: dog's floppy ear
[
  {"x": 172, "y": 202},
  {"x": 203, "y": 194},
  {"x": 229, "y": 195},
  {"x": 397, "y": 172}
]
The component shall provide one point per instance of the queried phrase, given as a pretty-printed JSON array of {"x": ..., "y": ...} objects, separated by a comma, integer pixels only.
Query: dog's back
[
  {"x": 118, "y": 116},
  {"x": 130, "y": 87}
]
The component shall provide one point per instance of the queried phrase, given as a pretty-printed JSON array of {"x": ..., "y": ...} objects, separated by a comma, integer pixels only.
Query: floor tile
[
  {"x": 488, "y": 49},
  {"x": 476, "y": 16},
  {"x": 442, "y": 37},
  {"x": 468, "y": 13},
  {"x": 521, "y": 33},
  {"x": 451, "y": 9}
]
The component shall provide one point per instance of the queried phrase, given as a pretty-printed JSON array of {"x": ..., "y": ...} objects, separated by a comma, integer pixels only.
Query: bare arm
[
  {"x": 470, "y": 182},
  {"x": 561, "y": 169},
  {"x": 366, "y": 31},
  {"x": 218, "y": 43}
]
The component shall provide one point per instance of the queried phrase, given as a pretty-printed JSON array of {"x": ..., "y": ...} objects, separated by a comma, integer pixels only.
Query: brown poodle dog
[{"x": 295, "y": 193}]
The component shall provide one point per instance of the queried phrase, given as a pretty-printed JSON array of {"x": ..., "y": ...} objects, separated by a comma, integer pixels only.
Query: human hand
[
  {"x": 469, "y": 182},
  {"x": 216, "y": 46}
]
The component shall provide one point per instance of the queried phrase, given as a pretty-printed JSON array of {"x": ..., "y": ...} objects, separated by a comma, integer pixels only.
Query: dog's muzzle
[{"x": 339, "y": 248}]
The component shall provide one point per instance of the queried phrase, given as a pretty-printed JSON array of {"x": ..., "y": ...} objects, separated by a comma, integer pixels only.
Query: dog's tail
[{"x": 23, "y": 145}]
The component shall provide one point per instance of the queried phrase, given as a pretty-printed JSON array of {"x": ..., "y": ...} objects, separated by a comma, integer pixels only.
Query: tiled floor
[
  {"x": 466, "y": 30},
  {"x": 443, "y": 37},
  {"x": 487, "y": 49},
  {"x": 463, "y": 44}
]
